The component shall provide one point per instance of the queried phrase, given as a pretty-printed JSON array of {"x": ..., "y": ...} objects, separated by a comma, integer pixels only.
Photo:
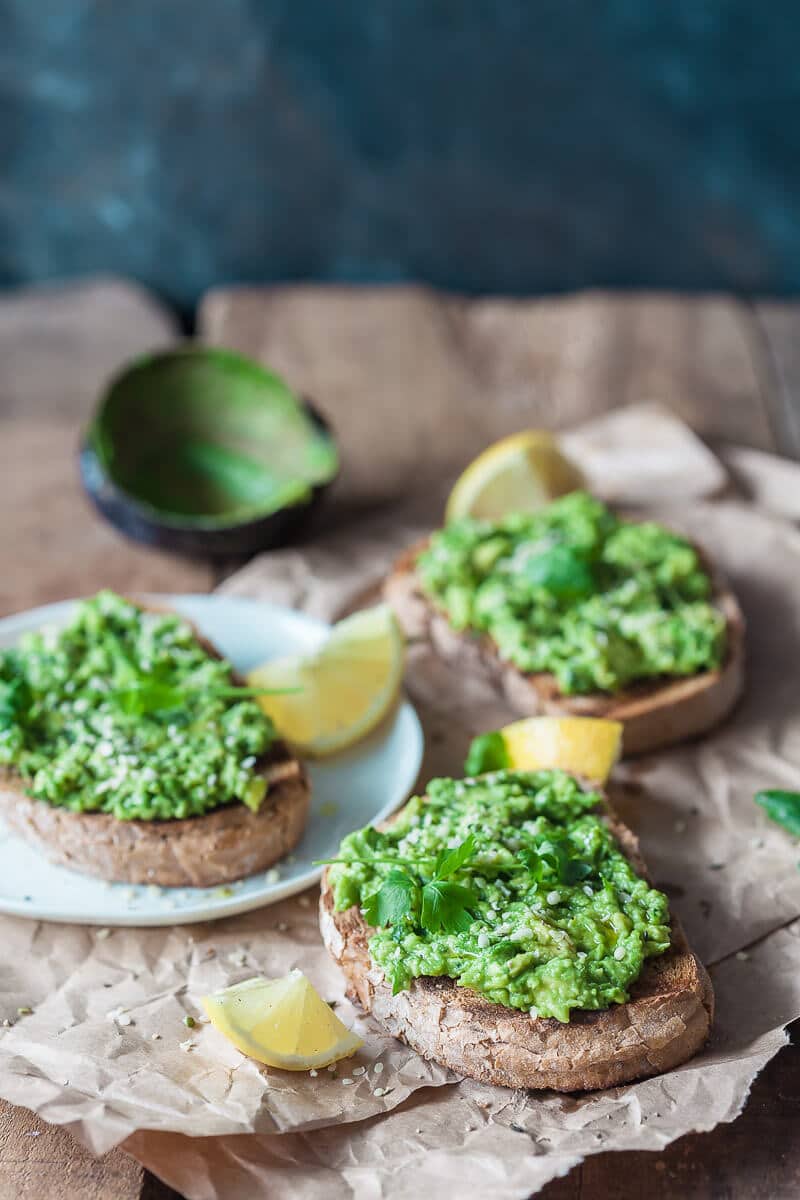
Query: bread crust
[
  {"x": 223, "y": 845},
  {"x": 666, "y": 1021},
  {"x": 654, "y": 714}
]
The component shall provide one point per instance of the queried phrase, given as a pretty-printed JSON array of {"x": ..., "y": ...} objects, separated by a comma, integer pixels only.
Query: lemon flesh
[
  {"x": 340, "y": 693},
  {"x": 283, "y": 1023},
  {"x": 587, "y": 746},
  {"x": 521, "y": 473}
]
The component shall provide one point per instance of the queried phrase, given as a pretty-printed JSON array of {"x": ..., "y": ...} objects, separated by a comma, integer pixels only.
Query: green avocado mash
[
  {"x": 574, "y": 590},
  {"x": 556, "y": 917},
  {"x": 124, "y": 712}
]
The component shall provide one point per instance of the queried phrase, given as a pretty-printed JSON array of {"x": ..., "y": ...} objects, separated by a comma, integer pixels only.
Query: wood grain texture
[
  {"x": 59, "y": 343},
  {"x": 425, "y": 380},
  {"x": 42, "y": 1162},
  {"x": 779, "y": 324},
  {"x": 755, "y": 1158}
]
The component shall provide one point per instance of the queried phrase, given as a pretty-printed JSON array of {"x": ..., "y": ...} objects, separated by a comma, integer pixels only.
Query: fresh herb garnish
[
  {"x": 445, "y": 906},
  {"x": 148, "y": 694},
  {"x": 782, "y": 807},
  {"x": 487, "y": 752},
  {"x": 412, "y": 892},
  {"x": 397, "y": 897},
  {"x": 553, "y": 862}
]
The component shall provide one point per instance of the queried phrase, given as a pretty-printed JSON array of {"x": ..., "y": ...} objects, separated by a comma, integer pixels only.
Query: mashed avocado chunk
[
  {"x": 124, "y": 712},
  {"x": 574, "y": 590},
  {"x": 556, "y": 917}
]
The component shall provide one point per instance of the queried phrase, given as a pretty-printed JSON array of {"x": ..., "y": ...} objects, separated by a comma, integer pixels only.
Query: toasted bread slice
[
  {"x": 225, "y": 844},
  {"x": 654, "y": 713},
  {"x": 666, "y": 1021}
]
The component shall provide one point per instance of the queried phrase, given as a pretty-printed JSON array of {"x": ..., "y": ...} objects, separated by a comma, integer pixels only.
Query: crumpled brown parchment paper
[{"x": 216, "y": 1127}]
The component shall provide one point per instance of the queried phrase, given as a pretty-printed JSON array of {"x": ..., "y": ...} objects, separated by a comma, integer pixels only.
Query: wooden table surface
[{"x": 730, "y": 367}]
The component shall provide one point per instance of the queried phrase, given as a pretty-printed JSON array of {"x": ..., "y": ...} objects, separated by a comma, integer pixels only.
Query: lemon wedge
[
  {"x": 587, "y": 746},
  {"x": 281, "y": 1022},
  {"x": 520, "y": 473},
  {"x": 342, "y": 691}
]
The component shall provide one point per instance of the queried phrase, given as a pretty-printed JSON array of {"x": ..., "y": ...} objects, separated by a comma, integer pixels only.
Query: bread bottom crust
[{"x": 223, "y": 845}]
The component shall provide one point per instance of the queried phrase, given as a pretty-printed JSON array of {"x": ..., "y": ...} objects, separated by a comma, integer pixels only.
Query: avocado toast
[
  {"x": 128, "y": 750},
  {"x": 572, "y": 610},
  {"x": 525, "y": 946}
]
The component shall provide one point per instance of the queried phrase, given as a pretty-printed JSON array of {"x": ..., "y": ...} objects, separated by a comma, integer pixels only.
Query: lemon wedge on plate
[
  {"x": 518, "y": 474},
  {"x": 334, "y": 697},
  {"x": 587, "y": 746},
  {"x": 281, "y": 1022}
]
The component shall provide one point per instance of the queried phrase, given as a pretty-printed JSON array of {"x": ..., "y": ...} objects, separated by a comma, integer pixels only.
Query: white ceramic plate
[{"x": 351, "y": 789}]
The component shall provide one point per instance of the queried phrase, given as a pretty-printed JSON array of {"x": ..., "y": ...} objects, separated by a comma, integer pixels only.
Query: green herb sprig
[
  {"x": 487, "y": 752},
  {"x": 423, "y": 895},
  {"x": 554, "y": 861},
  {"x": 782, "y": 807},
  {"x": 149, "y": 695}
]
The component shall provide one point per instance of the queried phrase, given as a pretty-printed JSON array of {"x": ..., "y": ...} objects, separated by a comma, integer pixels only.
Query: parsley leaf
[
  {"x": 396, "y": 899},
  {"x": 449, "y": 861},
  {"x": 782, "y": 807},
  {"x": 487, "y": 752},
  {"x": 149, "y": 694},
  {"x": 445, "y": 906},
  {"x": 554, "y": 862}
]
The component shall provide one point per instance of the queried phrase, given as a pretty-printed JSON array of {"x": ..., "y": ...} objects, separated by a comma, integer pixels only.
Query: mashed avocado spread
[
  {"x": 544, "y": 912},
  {"x": 574, "y": 590},
  {"x": 124, "y": 712}
]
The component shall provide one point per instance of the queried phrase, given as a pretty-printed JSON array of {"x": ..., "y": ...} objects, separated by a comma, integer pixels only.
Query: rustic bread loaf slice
[
  {"x": 666, "y": 1021},
  {"x": 225, "y": 844},
  {"x": 654, "y": 713}
]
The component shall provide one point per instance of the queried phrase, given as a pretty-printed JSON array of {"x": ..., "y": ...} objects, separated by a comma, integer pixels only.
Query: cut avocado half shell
[{"x": 206, "y": 452}]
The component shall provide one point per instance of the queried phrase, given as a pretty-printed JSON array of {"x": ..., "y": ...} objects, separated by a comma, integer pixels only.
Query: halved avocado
[{"x": 206, "y": 452}]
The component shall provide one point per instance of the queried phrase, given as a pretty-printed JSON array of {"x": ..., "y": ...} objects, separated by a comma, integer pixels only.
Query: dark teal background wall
[{"x": 511, "y": 145}]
